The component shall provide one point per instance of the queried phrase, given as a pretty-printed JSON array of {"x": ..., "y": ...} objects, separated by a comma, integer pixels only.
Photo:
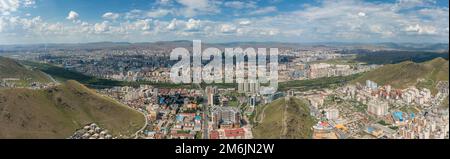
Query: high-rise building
[
  {"x": 379, "y": 108},
  {"x": 210, "y": 92},
  {"x": 249, "y": 87},
  {"x": 371, "y": 84},
  {"x": 241, "y": 87},
  {"x": 252, "y": 101},
  {"x": 225, "y": 117},
  {"x": 332, "y": 114}
]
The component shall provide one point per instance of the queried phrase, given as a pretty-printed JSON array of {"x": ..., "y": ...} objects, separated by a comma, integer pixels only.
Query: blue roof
[
  {"x": 369, "y": 129},
  {"x": 398, "y": 116},
  {"x": 161, "y": 100},
  {"x": 198, "y": 117},
  {"x": 180, "y": 118}
]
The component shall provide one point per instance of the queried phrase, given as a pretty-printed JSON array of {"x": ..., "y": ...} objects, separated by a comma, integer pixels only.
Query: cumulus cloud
[
  {"x": 264, "y": 10},
  {"x": 143, "y": 25},
  {"x": 421, "y": 29},
  {"x": 110, "y": 16},
  {"x": 172, "y": 25},
  {"x": 7, "y": 6},
  {"x": 72, "y": 16},
  {"x": 192, "y": 25},
  {"x": 101, "y": 27}
]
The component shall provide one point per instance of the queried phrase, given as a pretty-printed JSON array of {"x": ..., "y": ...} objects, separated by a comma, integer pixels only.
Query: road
[
  {"x": 136, "y": 135},
  {"x": 261, "y": 118},
  {"x": 205, "y": 113}
]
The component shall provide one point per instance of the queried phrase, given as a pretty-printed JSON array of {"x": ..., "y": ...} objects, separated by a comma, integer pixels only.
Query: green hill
[
  {"x": 12, "y": 69},
  {"x": 408, "y": 73},
  {"x": 57, "y": 112},
  {"x": 271, "y": 118}
]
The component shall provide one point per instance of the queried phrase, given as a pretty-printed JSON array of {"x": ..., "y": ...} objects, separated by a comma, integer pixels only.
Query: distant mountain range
[{"x": 186, "y": 43}]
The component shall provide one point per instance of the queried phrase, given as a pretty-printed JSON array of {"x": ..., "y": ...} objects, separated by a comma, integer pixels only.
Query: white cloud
[
  {"x": 192, "y": 25},
  {"x": 382, "y": 31},
  {"x": 110, "y": 16},
  {"x": 158, "y": 13},
  {"x": 245, "y": 22},
  {"x": 164, "y": 1},
  {"x": 240, "y": 4},
  {"x": 408, "y": 4},
  {"x": 172, "y": 25},
  {"x": 72, "y": 16},
  {"x": 8, "y": 6},
  {"x": 133, "y": 14},
  {"x": 264, "y": 10},
  {"x": 361, "y": 14},
  {"x": 430, "y": 30},
  {"x": 143, "y": 25},
  {"x": 29, "y": 3},
  {"x": 1, "y": 24},
  {"x": 101, "y": 27},
  {"x": 330, "y": 20},
  {"x": 228, "y": 28},
  {"x": 197, "y": 7}
]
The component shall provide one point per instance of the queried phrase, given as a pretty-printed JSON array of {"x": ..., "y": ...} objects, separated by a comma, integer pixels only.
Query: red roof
[
  {"x": 214, "y": 134},
  {"x": 234, "y": 132}
]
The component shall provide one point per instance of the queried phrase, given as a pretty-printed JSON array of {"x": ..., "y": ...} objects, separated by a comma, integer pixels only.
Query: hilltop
[
  {"x": 58, "y": 112},
  {"x": 275, "y": 120},
  {"x": 12, "y": 69},
  {"x": 404, "y": 74}
]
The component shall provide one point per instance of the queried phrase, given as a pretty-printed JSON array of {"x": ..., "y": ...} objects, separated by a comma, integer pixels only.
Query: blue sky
[{"x": 371, "y": 21}]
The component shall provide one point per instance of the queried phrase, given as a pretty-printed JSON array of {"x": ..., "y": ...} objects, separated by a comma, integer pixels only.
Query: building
[
  {"x": 378, "y": 108},
  {"x": 226, "y": 117},
  {"x": 252, "y": 87},
  {"x": 332, "y": 114},
  {"x": 238, "y": 133},
  {"x": 252, "y": 101},
  {"x": 371, "y": 85},
  {"x": 210, "y": 92}
]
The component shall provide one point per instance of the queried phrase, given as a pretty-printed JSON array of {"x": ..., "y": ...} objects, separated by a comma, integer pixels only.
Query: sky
[{"x": 217, "y": 21}]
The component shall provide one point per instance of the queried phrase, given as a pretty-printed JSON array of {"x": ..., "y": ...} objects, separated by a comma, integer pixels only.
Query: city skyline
[{"x": 49, "y": 21}]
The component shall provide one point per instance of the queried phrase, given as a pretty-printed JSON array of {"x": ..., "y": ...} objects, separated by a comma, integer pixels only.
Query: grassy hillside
[
  {"x": 407, "y": 73},
  {"x": 319, "y": 83},
  {"x": 12, "y": 69},
  {"x": 392, "y": 57},
  {"x": 58, "y": 112},
  {"x": 61, "y": 74},
  {"x": 298, "y": 120}
]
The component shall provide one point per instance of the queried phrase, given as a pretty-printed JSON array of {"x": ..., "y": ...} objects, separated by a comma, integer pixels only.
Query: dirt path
[{"x": 284, "y": 119}]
